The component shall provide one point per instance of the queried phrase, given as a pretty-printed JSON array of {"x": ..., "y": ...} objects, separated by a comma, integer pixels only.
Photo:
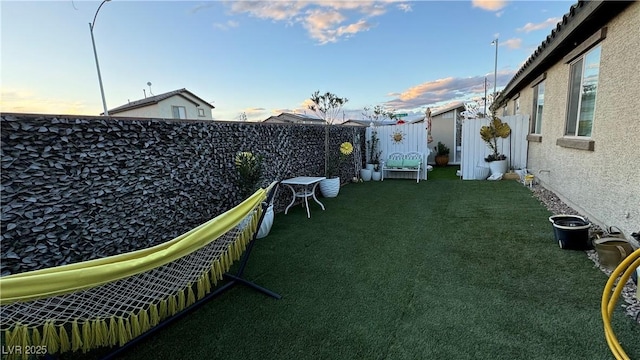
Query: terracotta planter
[{"x": 442, "y": 160}]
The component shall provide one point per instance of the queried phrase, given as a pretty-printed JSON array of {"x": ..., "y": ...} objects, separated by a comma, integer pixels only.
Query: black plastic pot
[{"x": 571, "y": 232}]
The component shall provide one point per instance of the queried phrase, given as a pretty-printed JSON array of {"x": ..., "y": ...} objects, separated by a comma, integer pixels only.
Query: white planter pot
[
  {"x": 498, "y": 167},
  {"x": 376, "y": 176},
  {"x": 267, "y": 222},
  {"x": 330, "y": 187},
  {"x": 369, "y": 167},
  {"x": 365, "y": 175},
  {"x": 481, "y": 173}
]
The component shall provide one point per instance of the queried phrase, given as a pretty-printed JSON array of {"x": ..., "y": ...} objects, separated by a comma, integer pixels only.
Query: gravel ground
[{"x": 628, "y": 298}]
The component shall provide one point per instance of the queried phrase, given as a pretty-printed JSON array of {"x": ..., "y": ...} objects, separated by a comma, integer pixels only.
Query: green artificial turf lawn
[{"x": 443, "y": 269}]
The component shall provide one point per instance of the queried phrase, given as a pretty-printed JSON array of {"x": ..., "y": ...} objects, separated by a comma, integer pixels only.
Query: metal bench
[{"x": 404, "y": 162}]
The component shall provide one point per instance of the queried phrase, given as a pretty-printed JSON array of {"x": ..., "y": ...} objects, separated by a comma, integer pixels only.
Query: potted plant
[
  {"x": 376, "y": 175},
  {"x": 249, "y": 167},
  {"x": 490, "y": 134},
  {"x": 373, "y": 151},
  {"x": 442, "y": 154},
  {"x": 330, "y": 186}
]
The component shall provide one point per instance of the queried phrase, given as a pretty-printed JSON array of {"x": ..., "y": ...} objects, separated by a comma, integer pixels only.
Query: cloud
[
  {"x": 228, "y": 25},
  {"x": 199, "y": 7},
  {"x": 256, "y": 113},
  {"x": 320, "y": 24},
  {"x": 490, "y": 5},
  {"x": 549, "y": 23},
  {"x": 414, "y": 100},
  {"x": 405, "y": 7},
  {"x": 515, "y": 43},
  {"x": 274, "y": 10},
  {"x": 441, "y": 91},
  {"x": 325, "y": 21},
  {"x": 306, "y": 103},
  {"x": 25, "y": 101}
]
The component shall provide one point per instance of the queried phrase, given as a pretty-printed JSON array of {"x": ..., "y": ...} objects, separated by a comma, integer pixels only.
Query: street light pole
[
  {"x": 95, "y": 54},
  {"x": 495, "y": 70}
]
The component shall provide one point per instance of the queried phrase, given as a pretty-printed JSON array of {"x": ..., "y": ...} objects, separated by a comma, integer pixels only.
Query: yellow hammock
[
  {"x": 110, "y": 301},
  {"x": 624, "y": 271}
]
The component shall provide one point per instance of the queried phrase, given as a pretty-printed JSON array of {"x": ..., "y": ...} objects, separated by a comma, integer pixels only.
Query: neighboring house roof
[
  {"x": 385, "y": 122},
  {"x": 352, "y": 122},
  {"x": 583, "y": 19},
  {"x": 451, "y": 107},
  {"x": 151, "y": 100},
  {"x": 294, "y": 119},
  {"x": 454, "y": 106}
]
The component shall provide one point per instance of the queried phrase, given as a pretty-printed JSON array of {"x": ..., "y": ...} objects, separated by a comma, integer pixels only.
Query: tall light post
[
  {"x": 95, "y": 54},
  {"x": 495, "y": 69}
]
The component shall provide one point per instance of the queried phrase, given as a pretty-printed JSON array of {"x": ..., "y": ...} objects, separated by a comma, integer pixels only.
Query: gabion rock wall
[{"x": 80, "y": 188}]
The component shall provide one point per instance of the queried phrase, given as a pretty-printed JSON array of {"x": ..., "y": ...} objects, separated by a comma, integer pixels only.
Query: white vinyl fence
[
  {"x": 413, "y": 138},
  {"x": 474, "y": 150}
]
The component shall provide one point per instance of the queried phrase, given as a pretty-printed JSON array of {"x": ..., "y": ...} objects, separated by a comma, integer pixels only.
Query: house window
[
  {"x": 201, "y": 112},
  {"x": 516, "y": 106},
  {"x": 505, "y": 110},
  {"x": 583, "y": 87},
  {"x": 179, "y": 112},
  {"x": 538, "y": 105}
]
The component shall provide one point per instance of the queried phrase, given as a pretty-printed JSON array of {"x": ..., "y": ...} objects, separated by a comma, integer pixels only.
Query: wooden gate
[
  {"x": 474, "y": 150},
  {"x": 402, "y": 138}
]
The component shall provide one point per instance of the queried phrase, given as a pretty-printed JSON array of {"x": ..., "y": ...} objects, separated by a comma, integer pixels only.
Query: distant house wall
[
  {"x": 294, "y": 119},
  {"x": 163, "y": 109},
  {"x": 150, "y": 111},
  {"x": 602, "y": 183},
  {"x": 274, "y": 120}
]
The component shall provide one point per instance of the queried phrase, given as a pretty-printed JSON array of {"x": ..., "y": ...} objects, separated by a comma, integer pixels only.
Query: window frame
[
  {"x": 575, "y": 108},
  {"x": 201, "y": 112},
  {"x": 536, "y": 113},
  {"x": 581, "y": 142},
  {"x": 178, "y": 107}
]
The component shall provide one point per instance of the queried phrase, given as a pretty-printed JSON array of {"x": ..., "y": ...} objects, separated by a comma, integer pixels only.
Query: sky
[{"x": 262, "y": 58}]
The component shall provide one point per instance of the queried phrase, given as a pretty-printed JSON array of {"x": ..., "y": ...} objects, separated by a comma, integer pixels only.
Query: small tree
[
  {"x": 327, "y": 106},
  {"x": 490, "y": 134},
  {"x": 373, "y": 149},
  {"x": 377, "y": 115}
]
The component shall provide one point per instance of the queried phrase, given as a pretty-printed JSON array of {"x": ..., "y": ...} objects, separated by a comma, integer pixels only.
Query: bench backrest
[
  {"x": 397, "y": 159},
  {"x": 414, "y": 155}
]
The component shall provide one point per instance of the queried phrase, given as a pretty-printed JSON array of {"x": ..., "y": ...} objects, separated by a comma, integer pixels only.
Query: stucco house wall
[
  {"x": 165, "y": 110},
  {"x": 150, "y": 111},
  {"x": 160, "y": 106},
  {"x": 602, "y": 183}
]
